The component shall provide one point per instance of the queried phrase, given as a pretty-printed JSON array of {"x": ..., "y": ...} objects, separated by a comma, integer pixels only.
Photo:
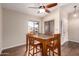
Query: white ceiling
[{"x": 23, "y": 8}]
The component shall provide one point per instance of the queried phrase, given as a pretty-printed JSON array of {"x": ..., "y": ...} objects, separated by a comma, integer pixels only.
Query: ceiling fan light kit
[
  {"x": 45, "y": 9},
  {"x": 41, "y": 11}
]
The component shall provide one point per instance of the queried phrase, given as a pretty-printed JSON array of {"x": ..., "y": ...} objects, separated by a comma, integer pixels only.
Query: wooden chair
[
  {"x": 34, "y": 47},
  {"x": 27, "y": 42},
  {"x": 53, "y": 47}
]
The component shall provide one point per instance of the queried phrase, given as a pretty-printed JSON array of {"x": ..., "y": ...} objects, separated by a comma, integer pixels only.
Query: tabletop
[{"x": 43, "y": 36}]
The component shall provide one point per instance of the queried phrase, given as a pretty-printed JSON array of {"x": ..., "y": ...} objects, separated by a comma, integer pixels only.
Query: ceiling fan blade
[{"x": 51, "y": 5}]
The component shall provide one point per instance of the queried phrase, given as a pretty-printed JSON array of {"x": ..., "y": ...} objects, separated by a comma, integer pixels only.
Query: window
[
  {"x": 49, "y": 27},
  {"x": 33, "y": 26}
]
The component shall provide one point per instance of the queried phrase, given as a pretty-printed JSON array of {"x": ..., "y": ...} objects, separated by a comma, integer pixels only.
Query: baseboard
[
  {"x": 13, "y": 46},
  {"x": 74, "y": 41},
  {"x": 70, "y": 42},
  {"x": 63, "y": 42}
]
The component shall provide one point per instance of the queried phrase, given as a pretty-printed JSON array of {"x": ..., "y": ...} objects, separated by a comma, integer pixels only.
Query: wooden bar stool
[
  {"x": 53, "y": 47},
  {"x": 35, "y": 47}
]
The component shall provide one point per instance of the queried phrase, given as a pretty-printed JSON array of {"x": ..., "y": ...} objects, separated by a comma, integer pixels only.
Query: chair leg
[
  {"x": 36, "y": 51},
  {"x": 26, "y": 46},
  {"x": 29, "y": 51},
  {"x": 53, "y": 53},
  {"x": 41, "y": 50},
  {"x": 26, "y": 50},
  {"x": 49, "y": 52},
  {"x": 33, "y": 51}
]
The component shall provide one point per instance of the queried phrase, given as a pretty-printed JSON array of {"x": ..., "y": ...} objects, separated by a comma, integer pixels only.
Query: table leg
[
  {"x": 59, "y": 48},
  {"x": 44, "y": 49}
]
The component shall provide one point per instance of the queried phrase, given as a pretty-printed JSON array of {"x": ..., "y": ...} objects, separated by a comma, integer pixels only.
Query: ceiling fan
[{"x": 45, "y": 7}]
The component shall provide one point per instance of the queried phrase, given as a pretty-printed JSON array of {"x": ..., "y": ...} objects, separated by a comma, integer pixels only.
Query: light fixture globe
[{"x": 41, "y": 10}]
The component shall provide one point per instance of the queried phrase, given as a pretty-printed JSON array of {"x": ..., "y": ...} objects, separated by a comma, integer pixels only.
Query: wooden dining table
[{"x": 44, "y": 39}]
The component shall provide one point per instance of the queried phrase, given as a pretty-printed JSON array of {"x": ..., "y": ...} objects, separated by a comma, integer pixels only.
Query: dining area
[
  {"x": 38, "y": 44},
  {"x": 55, "y": 34}
]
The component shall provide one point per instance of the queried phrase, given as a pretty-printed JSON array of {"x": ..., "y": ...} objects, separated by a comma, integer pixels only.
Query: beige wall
[
  {"x": 0, "y": 29},
  {"x": 73, "y": 30},
  {"x": 15, "y": 28}
]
